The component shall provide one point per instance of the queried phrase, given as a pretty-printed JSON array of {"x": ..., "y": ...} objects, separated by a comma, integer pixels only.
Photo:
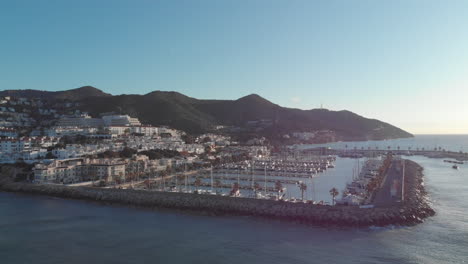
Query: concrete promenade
[{"x": 393, "y": 179}]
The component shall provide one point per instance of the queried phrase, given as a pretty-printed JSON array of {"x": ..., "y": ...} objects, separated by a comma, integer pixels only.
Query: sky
[{"x": 402, "y": 62}]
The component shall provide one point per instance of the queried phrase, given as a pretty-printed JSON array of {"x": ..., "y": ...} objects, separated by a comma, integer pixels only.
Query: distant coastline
[{"x": 448, "y": 142}]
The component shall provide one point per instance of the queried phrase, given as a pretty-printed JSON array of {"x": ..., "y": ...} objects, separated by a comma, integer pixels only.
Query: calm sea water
[{"x": 37, "y": 229}]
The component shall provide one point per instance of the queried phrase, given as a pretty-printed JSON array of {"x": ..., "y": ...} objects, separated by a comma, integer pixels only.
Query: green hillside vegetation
[{"x": 197, "y": 116}]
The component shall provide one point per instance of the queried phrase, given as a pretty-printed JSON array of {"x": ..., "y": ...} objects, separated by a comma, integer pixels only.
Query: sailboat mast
[
  {"x": 211, "y": 176},
  {"x": 252, "y": 177},
  {"x": 265, "y": 181},
  {"x": 186, "y": 180}
]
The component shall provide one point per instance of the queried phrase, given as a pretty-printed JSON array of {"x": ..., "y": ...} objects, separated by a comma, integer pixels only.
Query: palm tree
[
  {"x": 303, "y": 188},
  {"x": 278, "y": 187},
  {"x": 235, "y": 189},
  {"x": 179, "y": 178},
  {"x": 197, "y": 182},
  {"x": 162, "y": 182},
  {"x": 256, "y": 186},
  {"x": 217, "y": 184},
  {"x": 334, "y": 192},
  {"x": 92, "y": 175}
]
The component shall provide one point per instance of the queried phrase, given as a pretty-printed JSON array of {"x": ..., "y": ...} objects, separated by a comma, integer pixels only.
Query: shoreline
[{"x": 413, "y": 211}]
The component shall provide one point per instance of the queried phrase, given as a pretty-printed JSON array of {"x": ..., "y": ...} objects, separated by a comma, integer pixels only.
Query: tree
[
  {"x": 334, "y": 192},
  {"x": 92, "y": 175},
  {"x": 278, "y": 186},
  {"x": 118, "y": 180},
  {"x": 188, "y": 139},
  {"x": 127, "y": 152},
  {"x": 180, "y": 180},
  {"x": 208, "y": 149},
  {"x": 303, "y": 188},
  {"x": 235, "y": 189},
  {"x": 49, "y": 155},
  {"x": 197, "y": 182},
  {"x": 217, "y": 184},
  {"x": 256, "y": 187}
]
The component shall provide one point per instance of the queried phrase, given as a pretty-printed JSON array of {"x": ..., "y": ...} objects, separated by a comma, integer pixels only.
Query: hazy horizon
[{"x": 381, "y": 60}]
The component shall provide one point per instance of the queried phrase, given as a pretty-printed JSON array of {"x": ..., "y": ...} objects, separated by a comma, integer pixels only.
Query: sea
[{"x": 40, "y": 229}]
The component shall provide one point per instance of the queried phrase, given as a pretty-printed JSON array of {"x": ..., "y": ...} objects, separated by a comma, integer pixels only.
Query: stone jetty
[{"x": 412, "y": 211}]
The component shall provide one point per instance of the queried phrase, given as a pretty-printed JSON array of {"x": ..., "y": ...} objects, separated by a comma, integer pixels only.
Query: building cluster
[
  {"x": 110, "y": 170},
  {"x": 312, "y": 136},
  {"x": 25, "y": 148},
  {"x": 66, "y": 145}
]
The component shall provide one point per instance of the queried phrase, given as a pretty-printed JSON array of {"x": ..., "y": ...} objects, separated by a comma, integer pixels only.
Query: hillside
[
  {"x": 72, "y": 95},
  {"x": 250, "y": 113}
]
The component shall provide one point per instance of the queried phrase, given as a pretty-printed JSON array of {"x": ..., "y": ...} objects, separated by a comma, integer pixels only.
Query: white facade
[
  {"x": 77, "y": 170},
  {"x": 146, "y": 130},
  {"x": 13, "y": 145},
  {"x": 120, "y": 120},
  {"x": 84, "y": 121}
]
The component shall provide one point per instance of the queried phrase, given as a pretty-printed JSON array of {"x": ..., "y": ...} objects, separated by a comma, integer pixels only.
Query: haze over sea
[
  {"x": 428, "y": 142},
  {"x": 38, "y": 229}
]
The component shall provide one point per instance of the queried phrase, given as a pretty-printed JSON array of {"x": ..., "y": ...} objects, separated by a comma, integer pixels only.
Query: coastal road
[{"x": 393, "y": 179}]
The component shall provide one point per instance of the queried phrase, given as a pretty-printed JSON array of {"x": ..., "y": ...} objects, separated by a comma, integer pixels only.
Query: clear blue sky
[{"x": 404, "y": 62}]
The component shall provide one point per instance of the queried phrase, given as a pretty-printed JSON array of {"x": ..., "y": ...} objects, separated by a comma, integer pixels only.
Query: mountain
[
  {"x": 250, "y": 113},
  {"x": 72, "y": 95}
]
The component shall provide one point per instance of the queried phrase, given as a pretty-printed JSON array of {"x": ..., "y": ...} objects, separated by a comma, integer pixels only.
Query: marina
[
  {"x": 282, "y": 180},
  {"x": 191, "y": 232}
]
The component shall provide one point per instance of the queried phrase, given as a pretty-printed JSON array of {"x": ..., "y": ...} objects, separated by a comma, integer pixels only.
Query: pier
[{"x": 374, "y": 152}]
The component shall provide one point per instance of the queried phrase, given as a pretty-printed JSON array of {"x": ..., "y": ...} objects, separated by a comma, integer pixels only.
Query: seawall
[{"x": 412, "y": 211}]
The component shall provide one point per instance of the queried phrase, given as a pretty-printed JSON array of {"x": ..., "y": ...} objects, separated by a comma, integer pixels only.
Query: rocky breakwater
[
  {"x": 416, "y": 205},
  {"x": 407, "y": 213}
]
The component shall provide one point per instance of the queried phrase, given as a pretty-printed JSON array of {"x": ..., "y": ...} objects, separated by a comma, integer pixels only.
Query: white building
[
  {"x": 77, "y": 170},
  {"x": 15, "y": 145},
  {"x": 82, "y": 121},
  {"x": 8, "y": 132},
  {"x": 120, "y": 120},
  {"x": 146, "y": 130}
]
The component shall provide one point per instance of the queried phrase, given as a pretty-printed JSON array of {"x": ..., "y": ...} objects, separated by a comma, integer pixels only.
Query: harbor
[
  {"x": 257, "y": 179},
  {"x": 348, "y": 192},
  {"x": 409, "y": 213}
]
